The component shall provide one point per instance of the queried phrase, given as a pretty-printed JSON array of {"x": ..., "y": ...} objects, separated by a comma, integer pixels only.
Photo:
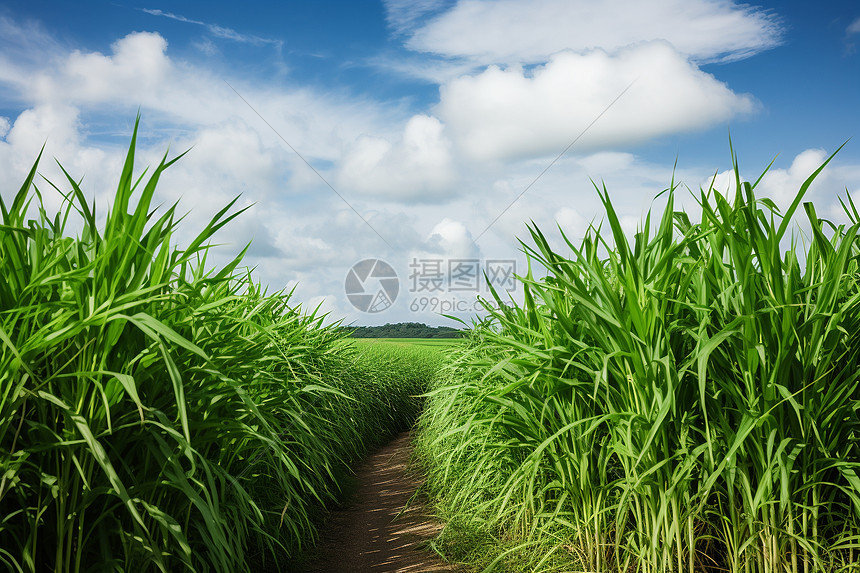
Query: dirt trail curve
[{"x": 372, "y": 535}]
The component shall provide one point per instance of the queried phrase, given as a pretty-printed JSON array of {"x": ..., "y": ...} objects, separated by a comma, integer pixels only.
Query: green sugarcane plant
[
  {"x": 159, "y": 414},
  {"x": 685, "y": 400}
]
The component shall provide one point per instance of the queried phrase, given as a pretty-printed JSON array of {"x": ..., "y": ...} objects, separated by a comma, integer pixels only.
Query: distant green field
[{"x": 427, "y": 342}]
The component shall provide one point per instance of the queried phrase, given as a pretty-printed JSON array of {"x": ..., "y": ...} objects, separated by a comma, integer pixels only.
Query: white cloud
[
  {"x": 137, "y": 72},
  {"x": 139, "y": 66},
  {"x": 5, "y": 126},
  {"x": 854, "y": 27},
  {"x": 506, "y": 113},
  {"x": 181, "y": 97},
  {"x": 513, "y": 31},
  {"x": 418, "y": 166},
  {"x": 216, "y": 30},
  {"x": 27, "y": 40},
  {"x": 235, "y": 154},
  {"x": 571, "y": 222},
  {"x": 451, "y": 239},
  {"x": 207, "y": 47},
  {"x": 404, "y": 15},
  {"x": 42, "y": 123},
  {"x": 603, "y": 163}
]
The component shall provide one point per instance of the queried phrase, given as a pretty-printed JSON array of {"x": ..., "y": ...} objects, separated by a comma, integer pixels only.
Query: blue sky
[{"x": 428, "y": 118}]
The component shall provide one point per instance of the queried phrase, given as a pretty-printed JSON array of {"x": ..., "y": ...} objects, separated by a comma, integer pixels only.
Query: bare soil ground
[{"x": 384, "y": 528}]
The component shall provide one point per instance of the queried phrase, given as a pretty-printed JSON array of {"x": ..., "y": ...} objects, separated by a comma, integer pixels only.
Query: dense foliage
[
  {"x": 156, "y": 415},
  {"x": 685, "y": 401}
]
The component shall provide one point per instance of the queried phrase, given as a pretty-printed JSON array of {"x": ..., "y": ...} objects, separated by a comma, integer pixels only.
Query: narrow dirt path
[{"x": 375, "y": 534}]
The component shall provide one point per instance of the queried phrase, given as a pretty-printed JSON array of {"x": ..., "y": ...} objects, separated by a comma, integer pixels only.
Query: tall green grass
[
  {"x": 683, "y": 401},
  {"x": 157, "y": 414}
]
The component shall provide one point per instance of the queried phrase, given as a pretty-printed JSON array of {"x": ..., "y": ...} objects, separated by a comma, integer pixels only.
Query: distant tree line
[{"x": 404, "y": 330}]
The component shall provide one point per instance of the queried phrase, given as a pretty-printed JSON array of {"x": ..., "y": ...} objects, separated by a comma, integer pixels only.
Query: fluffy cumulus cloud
[
  {"x": 417, "y": 166},
  {"x": 451, "y": 239},
  {"x": 511, "y": 112},
  {"x": 512, "y": 31},
  {"x": 234, "y": 155},
  {"x": 58, "y": 123},
  {"x": 138, "y": 65},
  {"x": 180, "y": 96},
  {"x": 137, "y": 72},
  {"x": 41, "y": 72},
  {"x": 523, "y": 79}
]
